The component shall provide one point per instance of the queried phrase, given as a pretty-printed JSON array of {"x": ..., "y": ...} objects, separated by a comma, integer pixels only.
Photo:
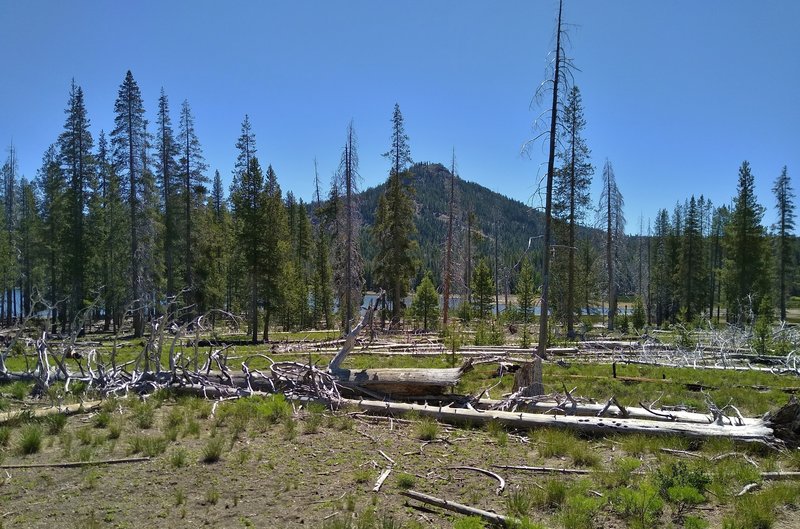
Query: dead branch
[
  {"x": 78, "y": 463},
  {"x": 459, "y": 508},
  {"x": 381, "y": 479},
  {"x": 489, "y": 473}
]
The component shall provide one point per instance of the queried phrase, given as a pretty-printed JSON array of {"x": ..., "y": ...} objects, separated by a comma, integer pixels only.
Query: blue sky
[{"x": 676, "y": 93}]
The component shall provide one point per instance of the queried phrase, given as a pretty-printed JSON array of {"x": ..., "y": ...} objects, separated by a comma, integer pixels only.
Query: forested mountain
[{"x": 514, "y": 222}]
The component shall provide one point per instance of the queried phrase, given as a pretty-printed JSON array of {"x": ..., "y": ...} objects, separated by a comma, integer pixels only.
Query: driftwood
[{"x": 458, "y": 507}]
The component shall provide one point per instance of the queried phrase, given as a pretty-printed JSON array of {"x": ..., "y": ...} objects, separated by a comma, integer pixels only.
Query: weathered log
[
  {"x": 73, "y": 464},
  {"x": 44, "y": 412},
  {"x": 758, "y": 432},
  {"x": 592, "y": 410},
  {"x": 388, "y": 381},
  {"x": 403, "y": 382},
  {"x": 458, "y": 507}
]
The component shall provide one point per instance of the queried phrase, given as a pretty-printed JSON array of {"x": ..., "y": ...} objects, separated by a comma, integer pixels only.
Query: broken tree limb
[
  {"x": 458, "y": 507},
  {"x": 73, "y": 464},
  {"x": 381, "y": 479},
  {"x": 489, "y": 473}
]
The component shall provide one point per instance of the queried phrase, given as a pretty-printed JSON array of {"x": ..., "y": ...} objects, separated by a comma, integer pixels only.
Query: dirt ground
[{"x": 296, "y": 474}]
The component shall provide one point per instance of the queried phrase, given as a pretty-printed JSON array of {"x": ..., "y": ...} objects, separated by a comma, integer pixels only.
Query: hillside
[{"x": 517, "y": 222}]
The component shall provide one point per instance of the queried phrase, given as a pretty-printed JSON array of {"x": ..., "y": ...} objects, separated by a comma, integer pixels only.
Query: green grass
[
  {"x": 553, "y": 442},
  {"x": 30, "y": 440},
  {"x": 405, "y": 480},
  {"x": 212, "y": 451},
  {"x": 426, "y": 429},
  {"x": 55, "y": 423},
  {"x": 5, "y": 435}
]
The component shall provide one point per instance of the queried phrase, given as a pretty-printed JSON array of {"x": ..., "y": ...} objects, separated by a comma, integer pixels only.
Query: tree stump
[{"x": 529, "y": 377}]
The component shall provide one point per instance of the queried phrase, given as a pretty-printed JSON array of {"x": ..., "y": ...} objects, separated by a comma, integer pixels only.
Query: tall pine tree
[
  {"x": 394, "y": 228},
  {"x": 746, "y": 274},
  {"x": 129, "y": 142},
  {"x": 783, "y": 227}
]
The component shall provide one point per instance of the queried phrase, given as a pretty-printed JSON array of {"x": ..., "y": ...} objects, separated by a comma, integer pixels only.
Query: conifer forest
[{"x": 190, "y": 344}]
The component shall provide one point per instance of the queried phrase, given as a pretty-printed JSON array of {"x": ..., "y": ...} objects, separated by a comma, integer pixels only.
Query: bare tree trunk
[
  {"x": 549, "y": 196},
  {"x": 448, "y": 262}
]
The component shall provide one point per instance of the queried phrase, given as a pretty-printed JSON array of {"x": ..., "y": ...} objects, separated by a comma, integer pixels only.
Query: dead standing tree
[
  {"x": 610, "y": 214},
  {"x": 557, "y": 83}
]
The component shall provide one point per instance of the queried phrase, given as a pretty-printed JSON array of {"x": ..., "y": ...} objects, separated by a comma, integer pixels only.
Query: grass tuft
[{"x": 30, "y": 441}]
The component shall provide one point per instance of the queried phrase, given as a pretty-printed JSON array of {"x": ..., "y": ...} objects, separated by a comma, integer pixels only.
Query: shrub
[
  {"x": 579, "y": 512},
  {"x": 55, "y": 423},
  {"x": 470, "y": 522},
  {"x": 144, "y": 415},
  {"x": 427, "y": 429},
  {"x": 101, "y": 420},
  {"x": 177, "y": 458},
  {"x": 405, "y": 481},
  {"x": 5, "y": 435},
  {"x": 212, "y": 451},
  {"x": 641, "y": 508},
  {"x": 30, "y": 441}
]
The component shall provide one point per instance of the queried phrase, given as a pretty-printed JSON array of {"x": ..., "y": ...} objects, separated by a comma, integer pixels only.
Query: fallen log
[
  {"x": 44, "y": 412},
  {"x": 391, "y": 381},
  {"x": 593, "y": 410},
  {"x": 74, "y": 464},
  {"x": 757, "y": 432}
]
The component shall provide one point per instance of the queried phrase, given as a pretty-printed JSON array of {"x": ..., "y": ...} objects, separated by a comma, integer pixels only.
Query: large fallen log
[
  {"x": 761, "y": 431},
  {"x": 392, "y": 382},
  {"x": 609, "y": 410}
]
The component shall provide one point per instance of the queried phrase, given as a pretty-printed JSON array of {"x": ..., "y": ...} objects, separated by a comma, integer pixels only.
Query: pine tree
[
  {"x": 28, "y": 245},
  {"x": 525, "y": 291},
  {"x": 571, "y": 190},
  {"x": 75, "y": 145},
  {"x": 482, "y": 289},
  {"x": 8, "y": 245},
  {"x": 248, "y": 198},
  {"x": 745, "y": 270},
  {"x": 112, "y": 227},
  {"x": 51, "y": 186},
  {"x": 784, "y": 203},
  {"x": 129, "y": 141},
  {"x": 395, "y": 260},
  {"x": 193, "y": 190},
  {"x": 719, "y": 222},
  {"x": 276, "y": 247},
  {"x": 692, "y": 265},
  {"x": 167, "y": 174},
  {"x": 425, "y": 303}
]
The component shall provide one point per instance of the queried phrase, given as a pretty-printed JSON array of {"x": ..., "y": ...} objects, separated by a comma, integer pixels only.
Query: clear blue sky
[{"x": 676, "y": 93}]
